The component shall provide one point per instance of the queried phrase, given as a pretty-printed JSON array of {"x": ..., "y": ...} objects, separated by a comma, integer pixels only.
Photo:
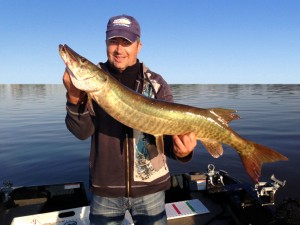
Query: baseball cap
[{"x": 123, "y": 26}]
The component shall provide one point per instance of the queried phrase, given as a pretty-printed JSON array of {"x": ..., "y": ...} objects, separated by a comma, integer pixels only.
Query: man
[{"x": 127, "y": 172}]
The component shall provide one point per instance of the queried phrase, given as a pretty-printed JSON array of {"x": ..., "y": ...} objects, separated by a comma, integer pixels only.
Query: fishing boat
[{"x": 212, "y": 197}]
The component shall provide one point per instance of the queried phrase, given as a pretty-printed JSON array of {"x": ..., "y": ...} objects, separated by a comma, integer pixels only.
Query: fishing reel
[{"x": 266, "y": 190}]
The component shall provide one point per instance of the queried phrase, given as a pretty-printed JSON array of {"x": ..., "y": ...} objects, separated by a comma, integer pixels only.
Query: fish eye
[{"x": 83, "y": 60}]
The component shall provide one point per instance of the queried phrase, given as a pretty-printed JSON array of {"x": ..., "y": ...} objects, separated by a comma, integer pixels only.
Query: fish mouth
[
  {"x": 78, "y": 78},
  {"x": 70, "y": 57},
  {"x": 66, "y": 52},
  {"x": 83, "y": 73},
  {"x": 62, "y": 50}
]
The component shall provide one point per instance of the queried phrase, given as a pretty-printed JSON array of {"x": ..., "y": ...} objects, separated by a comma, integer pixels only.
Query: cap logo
[{"x": 122, "y": 22}]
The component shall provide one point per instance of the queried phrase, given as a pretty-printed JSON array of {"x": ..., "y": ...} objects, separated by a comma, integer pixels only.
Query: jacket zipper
[{"x": 127, "y": 166}]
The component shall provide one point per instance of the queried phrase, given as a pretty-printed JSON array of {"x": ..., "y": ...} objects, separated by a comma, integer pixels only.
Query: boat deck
[{"x": 233, "y": 203}]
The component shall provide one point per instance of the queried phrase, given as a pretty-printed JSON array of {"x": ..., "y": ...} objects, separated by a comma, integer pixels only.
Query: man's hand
[
  {"x": 73, "y": 94},
  {"x": 184, "y": 144}
]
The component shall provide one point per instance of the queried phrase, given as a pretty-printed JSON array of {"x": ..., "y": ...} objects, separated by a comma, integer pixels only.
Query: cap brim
[{"x": 121, "y": 33}]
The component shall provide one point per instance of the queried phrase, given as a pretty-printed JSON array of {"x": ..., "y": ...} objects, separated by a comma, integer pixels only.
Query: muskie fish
[{"x": 164, "y": 118}]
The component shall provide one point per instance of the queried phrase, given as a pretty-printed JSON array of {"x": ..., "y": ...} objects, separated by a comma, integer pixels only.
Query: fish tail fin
[{"x": 261, "y": 154}]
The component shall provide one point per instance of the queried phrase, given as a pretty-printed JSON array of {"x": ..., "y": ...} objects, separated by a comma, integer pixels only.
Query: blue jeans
[{"x": 146, "y": 210}]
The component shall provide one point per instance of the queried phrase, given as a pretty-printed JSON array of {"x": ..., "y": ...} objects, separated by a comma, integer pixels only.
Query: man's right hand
[{"x": 74, "y": 95}]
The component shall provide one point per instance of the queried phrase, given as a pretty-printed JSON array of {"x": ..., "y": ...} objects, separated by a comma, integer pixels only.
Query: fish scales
[
  {"x": 157, "y": 123},
  {"x": 164, "y": 118}
]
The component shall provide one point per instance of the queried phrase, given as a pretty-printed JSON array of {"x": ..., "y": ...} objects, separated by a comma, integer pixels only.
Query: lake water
[{"x": 36, "y": 148}]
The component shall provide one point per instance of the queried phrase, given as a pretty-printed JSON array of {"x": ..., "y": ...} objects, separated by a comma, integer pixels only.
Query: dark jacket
[{"x": 123, "y": 162}]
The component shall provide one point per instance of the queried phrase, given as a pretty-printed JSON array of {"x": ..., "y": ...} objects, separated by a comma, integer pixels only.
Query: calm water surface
[{"x": 36, "y": 148}]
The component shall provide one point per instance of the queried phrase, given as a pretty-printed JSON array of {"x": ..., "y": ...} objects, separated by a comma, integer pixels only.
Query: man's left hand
[{"x": 184, "y": 144}]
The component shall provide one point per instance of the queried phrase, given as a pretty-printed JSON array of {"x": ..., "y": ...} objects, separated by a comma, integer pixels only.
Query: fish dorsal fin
[
  {"x": 224, "y": 115},
  {"x": 213, "y": 147}
]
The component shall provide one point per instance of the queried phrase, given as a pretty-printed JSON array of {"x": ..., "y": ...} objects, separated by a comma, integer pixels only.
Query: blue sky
[{"x": 188, "y": 41}]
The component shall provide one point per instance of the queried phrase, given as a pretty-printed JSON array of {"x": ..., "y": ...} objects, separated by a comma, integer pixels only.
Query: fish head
[{"x": 85, "y": 75}]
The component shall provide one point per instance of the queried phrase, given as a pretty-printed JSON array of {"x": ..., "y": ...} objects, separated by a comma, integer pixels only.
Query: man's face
[{"x": 121, "y": 53}]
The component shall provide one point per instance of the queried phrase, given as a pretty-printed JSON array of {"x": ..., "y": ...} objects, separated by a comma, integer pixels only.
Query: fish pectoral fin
[
  {"x": 226, "y": 115},
  {"x": 160, "y": 143},
  {"x": 213, "y": 147}
]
